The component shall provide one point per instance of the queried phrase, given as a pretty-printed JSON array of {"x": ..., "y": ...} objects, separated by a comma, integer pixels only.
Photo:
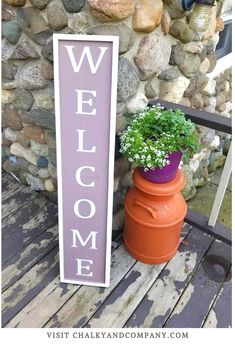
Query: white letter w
[{"x": 86, "y": 52}]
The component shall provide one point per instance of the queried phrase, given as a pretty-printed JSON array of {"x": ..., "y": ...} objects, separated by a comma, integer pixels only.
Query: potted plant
[{"x": 156, "y": 140}]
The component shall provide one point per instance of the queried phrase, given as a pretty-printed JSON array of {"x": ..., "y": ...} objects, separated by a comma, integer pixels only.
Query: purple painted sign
[{"x": 85, "y": 70}]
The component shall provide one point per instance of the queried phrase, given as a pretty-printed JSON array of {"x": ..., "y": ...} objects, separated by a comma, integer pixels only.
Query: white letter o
[{"x": 76, "y": 208}]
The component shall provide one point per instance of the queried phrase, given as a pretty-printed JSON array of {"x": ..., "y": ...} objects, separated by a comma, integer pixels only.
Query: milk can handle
[{"x": 150, "y": 209}]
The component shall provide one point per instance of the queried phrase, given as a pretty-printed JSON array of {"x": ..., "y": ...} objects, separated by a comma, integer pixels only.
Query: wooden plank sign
[{"x": 85, "y": 73}]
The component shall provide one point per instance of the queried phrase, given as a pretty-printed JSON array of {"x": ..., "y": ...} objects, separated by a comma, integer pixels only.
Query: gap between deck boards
[{"x": 139, "y": 295}]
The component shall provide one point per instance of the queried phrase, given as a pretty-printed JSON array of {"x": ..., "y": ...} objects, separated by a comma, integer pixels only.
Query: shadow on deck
[{"x": 192, "y": 290}]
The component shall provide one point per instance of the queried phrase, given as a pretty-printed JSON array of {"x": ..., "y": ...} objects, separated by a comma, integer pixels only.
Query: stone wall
[{"x": 160, "y": 57}]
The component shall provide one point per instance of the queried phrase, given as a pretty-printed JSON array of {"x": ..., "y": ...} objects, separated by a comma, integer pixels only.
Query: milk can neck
[{"x": 161, "y": 190}]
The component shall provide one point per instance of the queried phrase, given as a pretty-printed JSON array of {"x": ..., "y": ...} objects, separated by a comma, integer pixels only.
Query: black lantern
[{"x": 188, "y": 4}]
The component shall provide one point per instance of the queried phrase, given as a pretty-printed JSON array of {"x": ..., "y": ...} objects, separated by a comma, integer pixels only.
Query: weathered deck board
[
  {"x": 118, "y": 307},
  {"x": 9, "y": 186},
  {"x": 160, "y": 300},
  {"x": 17, "y": 235},
  {"x": 19, "y": 264},
  {"x": 202, "y": 289},
  {"x": 127, "y": 295},
  {"x": 17, "y": 200},
  {"x": 192, "y": 290},
  {"x": 84, "y": 303},
  {"x": 22, "y": 215},
  {"x": 24, "y": 290},
  {"x": 40, "y": 309},
  {"x": 220, "y": 315}
]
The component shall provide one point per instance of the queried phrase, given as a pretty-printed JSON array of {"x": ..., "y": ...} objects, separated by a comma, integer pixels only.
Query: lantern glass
[{"x": 200, "y": 17}]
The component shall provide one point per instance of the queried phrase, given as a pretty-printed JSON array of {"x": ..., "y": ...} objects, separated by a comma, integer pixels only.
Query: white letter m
[{"x": 77, "y": 235}]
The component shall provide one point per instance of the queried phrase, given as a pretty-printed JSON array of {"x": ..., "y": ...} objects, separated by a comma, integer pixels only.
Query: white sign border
[{"x": 97, "y": 38}]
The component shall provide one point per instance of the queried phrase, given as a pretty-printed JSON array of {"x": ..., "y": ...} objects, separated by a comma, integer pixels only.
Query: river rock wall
[{"x": 160, "y": 57}]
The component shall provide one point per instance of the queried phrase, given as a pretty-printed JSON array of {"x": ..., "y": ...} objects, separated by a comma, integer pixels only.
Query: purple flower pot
[{"x": 165, "y": 174}]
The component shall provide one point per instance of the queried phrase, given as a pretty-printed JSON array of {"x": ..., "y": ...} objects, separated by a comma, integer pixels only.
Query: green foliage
[{"x": 156, "y": 132}]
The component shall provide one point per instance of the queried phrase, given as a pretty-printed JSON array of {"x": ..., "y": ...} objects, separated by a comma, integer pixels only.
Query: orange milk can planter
[{"x": 154, "y": 216}]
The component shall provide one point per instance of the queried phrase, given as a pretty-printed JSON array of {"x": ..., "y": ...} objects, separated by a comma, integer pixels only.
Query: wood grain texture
[
  {"x": 9, "y": 186},
  {"x": 24, "y": 290},
  {"x": 22, "y": 215},
  {"x": 85, "y": 302},
  {"x": 220, "y": 315},
  {"x": 20, "y": 229},
  {"x": 158, "y": 303},
  {"x": 42, "y": 307},
  {"x": 19, "y": 264},
  {"x": 191, "y": 290},
  {"x": 52, "y": 298},
  {"x": 193, "y": 307},
  {"x": 17, "y": 200},
  {"x": 124, "y": 299}
]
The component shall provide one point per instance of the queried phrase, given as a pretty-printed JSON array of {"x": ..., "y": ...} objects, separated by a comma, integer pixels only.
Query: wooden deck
[{"x": 192, "y": 290}]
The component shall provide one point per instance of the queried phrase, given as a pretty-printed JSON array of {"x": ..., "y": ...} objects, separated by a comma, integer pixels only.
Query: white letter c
[{"x": 78, "y": 176}]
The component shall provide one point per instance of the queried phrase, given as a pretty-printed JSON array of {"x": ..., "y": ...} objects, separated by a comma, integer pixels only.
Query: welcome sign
[{"x": 85, "y": 70}]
